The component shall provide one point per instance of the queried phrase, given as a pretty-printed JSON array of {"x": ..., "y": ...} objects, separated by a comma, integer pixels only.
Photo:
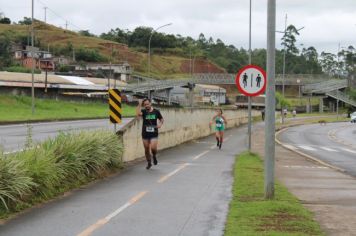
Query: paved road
[
  {"x": 333, "y": 143},
  {"x": 13, "y": 137},
  {"x": 186, "y": 194}
]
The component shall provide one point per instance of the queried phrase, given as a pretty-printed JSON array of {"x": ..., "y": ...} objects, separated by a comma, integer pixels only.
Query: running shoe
[
  {"x": 155, "y": 162},
  {"x": 148, "y": 165},
  {"x": 220, "y": 145}
]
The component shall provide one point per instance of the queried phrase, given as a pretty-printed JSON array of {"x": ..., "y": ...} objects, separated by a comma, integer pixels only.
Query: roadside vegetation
[
  {"x": 250, "y": 214},
  {"x": 18, "y": 108},
  {"x": 43, "y": 171}
]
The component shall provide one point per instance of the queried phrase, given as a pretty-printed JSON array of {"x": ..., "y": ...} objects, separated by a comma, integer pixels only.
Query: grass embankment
[
  {"x": 312, "y": 118},
  {"x": 250, "y": 214},
  {"x": 18, "y": 108},
  {"x": 44, "y": 171},
  {"x": 62, "y": 42}
]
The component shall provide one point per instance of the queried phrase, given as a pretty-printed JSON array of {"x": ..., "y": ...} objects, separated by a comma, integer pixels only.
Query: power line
[{"x": 67, "y": 22}]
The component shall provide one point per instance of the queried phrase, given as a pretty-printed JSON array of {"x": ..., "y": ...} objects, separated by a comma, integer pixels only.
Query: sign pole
[
  {"x": 270, "y": 101},
  {"x": 251, "y": 81},
  {"x": 249, "y": 98}
]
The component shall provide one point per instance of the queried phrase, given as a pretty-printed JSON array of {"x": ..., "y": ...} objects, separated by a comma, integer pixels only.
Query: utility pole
[
  {"x": 284, "y": 56},
  {"x": 249, "y": 97},
  {"x": 66, "y": 24},
  {"x": 270, "y": 101},
  {"x": 33, "y": 62},
  {"x": 45, "y": 14}
]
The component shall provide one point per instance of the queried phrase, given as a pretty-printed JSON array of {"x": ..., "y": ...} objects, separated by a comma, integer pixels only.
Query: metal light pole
[
  {"x": 33, "y": 62},
  {"x": 249, "y": 98},
  {"x": 149, "y": 46},
  {"x": 284, "y": 56},
  {"x": 270, "y": 101}
]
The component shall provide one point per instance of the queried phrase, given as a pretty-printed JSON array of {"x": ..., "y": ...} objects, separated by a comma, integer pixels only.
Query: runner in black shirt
[{"x": 150, "y": 128}]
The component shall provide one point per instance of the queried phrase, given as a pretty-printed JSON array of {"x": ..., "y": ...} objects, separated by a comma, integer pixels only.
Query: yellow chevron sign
[{"x": 115, "y": 106}]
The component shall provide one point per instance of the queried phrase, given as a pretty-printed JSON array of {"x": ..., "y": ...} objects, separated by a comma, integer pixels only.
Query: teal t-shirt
[{"x": 219, "y": 123}]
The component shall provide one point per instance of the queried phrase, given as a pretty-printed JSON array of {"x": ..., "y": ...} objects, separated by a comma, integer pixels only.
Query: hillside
[{"x": 61, "y": 41}]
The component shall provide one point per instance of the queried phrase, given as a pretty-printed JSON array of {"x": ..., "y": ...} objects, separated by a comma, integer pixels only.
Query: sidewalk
[{"x": 329, "y": 194}]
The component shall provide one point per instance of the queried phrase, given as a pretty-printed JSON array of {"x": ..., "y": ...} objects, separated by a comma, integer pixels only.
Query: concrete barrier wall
[{"x": 181, "y": 125}]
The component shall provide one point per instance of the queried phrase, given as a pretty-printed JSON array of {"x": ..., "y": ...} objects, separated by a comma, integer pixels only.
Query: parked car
[{"x": 353, "y": 117}]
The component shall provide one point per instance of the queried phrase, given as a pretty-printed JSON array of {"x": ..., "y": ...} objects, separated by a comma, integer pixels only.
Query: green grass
[
  {"x": 302, "y": 101},
  {"x": 44, "y": 171},
  {"x": 250, "y": 214},
  {"x": 18, "y": 108}
]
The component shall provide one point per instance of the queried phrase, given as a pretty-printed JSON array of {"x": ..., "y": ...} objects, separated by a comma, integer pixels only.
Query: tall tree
[
  {"x": 5, "y": 20},
  {"x": 5, "y": 51},
  {"x": 328, "y": 63},
  {"x": 25, "y": 21},
  {"x": 289, "y": 39}
]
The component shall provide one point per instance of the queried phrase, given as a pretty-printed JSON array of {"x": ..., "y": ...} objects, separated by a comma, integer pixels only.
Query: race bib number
[
  {"x": 150, "y": 129},
  {"x": 218, "y": 125}
]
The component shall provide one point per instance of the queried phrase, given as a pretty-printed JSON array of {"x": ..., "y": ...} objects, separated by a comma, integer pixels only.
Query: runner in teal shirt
[{"x": 220, "y": 122}]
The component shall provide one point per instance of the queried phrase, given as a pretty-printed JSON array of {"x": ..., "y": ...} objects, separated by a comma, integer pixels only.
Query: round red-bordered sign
[{"x": 251, "y": 80}]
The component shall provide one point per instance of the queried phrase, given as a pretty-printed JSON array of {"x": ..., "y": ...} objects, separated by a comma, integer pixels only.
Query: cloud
[{"x": 327, "y": 22}]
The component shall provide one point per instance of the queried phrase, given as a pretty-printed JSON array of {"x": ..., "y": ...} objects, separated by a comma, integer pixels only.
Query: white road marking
[
  {"x": 348, "y": 150},
  {"x": 88, "y": 231},
  {"x": 200, "y": 155},
  {"x": 329, "y": 149},
  {"x": 307, "y": 148},
  {"x": 290, "y": 147},
  {"x": 164, "y": 178},
  {"x": 307, "y": 167}
]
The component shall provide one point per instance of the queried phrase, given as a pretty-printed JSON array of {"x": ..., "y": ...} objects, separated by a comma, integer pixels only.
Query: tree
[
  {"x": 311, "y": 62},
  {"x": 328, "y": 63},
  {"x": 202, "y": 43},
  {"x": 117, "y": 35},
  {"x": 348, "y": 57},
  {"x": 5, "y": 20},
  {"x": 5, "y": 51},
  {"x": 289, "y": 40},
  {"x": 140, "y": 37},
  {"x": 86, "y": 33},
  {"x": 25, "y": 21}
]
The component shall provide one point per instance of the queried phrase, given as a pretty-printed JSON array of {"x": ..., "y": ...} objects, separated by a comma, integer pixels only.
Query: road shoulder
[{"x": 328, "y": 193}]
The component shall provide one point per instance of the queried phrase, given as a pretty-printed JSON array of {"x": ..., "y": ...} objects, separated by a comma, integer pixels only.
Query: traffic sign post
[
  {"x": 115, "y": 106},
  {"x": 251, "y": 81}
]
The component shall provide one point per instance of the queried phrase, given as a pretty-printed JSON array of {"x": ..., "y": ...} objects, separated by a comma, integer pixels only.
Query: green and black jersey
[{"x": 149, "y": 127}]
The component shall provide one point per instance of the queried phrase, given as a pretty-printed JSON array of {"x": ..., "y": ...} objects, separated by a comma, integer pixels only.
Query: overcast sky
[{"x": 327, "y": 22}]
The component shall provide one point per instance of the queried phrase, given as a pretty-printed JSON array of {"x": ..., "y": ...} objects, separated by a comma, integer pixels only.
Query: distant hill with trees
[{"x": 171, "y": 55}]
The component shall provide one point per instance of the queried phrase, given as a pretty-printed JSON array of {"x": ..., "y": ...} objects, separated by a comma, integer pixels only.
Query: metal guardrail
[
  {"x": 296, "y": 79},
  {"x": 325, "y": 86},
  {"x": 309, "y": 83},
  {"x": 216, "y": 79},
  {"x": 342, "y": 97}
]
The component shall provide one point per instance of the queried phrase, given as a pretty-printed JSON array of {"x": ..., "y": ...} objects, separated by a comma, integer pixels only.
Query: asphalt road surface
[
  {"x": 333, "y": 143},
  {"x": 13, "y": 137},
  {"x": 188, "y": 193}
]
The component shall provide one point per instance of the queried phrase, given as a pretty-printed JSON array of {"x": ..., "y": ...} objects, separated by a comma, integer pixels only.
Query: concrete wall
[{"x": 181, "y": 125}]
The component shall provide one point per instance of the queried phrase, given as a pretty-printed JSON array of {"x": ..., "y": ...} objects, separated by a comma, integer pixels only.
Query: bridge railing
[
  {"x": 342, "y": 97},
  {"x": 325, "y": 86}
]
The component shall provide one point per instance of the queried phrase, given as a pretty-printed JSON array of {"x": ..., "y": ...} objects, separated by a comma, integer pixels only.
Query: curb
[{"x": 309, "y": 157}]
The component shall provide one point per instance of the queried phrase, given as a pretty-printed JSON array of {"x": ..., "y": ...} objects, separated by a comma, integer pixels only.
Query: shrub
[
  {"x": 89, "y": 55},
  {"x": 21, "y": 69},
  {"x": 55, "y": 166}
]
